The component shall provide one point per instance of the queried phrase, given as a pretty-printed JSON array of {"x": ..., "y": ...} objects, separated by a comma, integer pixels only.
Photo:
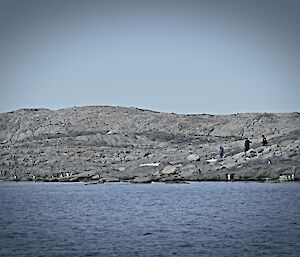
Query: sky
[{"x": 205, "y": 56}]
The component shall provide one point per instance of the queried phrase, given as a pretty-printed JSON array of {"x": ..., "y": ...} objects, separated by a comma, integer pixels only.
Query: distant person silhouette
[
  {"x": 247, "y": 144},
  {"x": 264, "y": 141},
  {"x": 221, "y": 151}
]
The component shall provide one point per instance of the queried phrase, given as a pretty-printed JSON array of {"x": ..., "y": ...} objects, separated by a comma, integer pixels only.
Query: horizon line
[{"x": 138, "y": 108}]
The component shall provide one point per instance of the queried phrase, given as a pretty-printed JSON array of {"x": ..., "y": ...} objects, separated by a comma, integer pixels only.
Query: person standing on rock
[
  {"x": 264, "y": 140},
  {"x": 247, "y": 144},
  {"x": 221, "y": 151}
]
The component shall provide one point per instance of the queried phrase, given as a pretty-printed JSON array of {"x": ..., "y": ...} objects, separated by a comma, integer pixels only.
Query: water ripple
[{"x": 199, "y": 219}]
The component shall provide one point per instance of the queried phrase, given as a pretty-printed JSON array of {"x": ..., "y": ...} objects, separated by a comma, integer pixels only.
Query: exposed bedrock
[{"x": 110, "y": 144}]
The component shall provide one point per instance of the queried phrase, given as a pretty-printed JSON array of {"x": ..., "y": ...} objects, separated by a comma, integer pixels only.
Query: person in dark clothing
[
  {"x": 247, "y": 144},
  {"x": 264, "y": 141},
  {"x": 221, "y": 151}
]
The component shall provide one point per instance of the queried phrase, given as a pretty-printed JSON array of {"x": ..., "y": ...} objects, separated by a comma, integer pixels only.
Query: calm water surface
[{"x": 197, "y": 219}]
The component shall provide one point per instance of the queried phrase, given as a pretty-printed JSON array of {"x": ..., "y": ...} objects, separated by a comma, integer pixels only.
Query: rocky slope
[{"x": 104, "y": 143}]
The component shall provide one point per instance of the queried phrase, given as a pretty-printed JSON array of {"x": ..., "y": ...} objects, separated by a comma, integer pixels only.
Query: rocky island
[{"x": 110, "y": 144}]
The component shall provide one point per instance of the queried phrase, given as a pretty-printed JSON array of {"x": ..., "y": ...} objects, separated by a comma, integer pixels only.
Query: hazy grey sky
[{"x": 174, "y": 56}]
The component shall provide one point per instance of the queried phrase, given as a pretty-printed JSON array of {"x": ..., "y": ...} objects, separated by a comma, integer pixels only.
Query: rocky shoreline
[{"x": 100, "y": 144}]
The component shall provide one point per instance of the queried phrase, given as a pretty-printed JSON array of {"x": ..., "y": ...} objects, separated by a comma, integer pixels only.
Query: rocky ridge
[{"x": 111, "y": 144}]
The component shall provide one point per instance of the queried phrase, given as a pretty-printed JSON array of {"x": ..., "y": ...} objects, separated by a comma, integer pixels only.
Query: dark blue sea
[{"x": 196, "y": 219}]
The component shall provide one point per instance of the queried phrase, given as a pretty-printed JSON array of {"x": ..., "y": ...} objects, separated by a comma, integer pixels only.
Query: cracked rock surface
[{"x": 110, "y": 144}]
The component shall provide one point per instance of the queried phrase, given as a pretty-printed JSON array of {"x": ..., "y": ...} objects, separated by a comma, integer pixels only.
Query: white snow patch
[
  {"x": 149, "y": 164},
  {"x": 212, "y": 161}
]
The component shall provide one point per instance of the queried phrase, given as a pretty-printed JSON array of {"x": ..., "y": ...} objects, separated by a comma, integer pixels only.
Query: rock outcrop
[{"x": 110, "y": 144}]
